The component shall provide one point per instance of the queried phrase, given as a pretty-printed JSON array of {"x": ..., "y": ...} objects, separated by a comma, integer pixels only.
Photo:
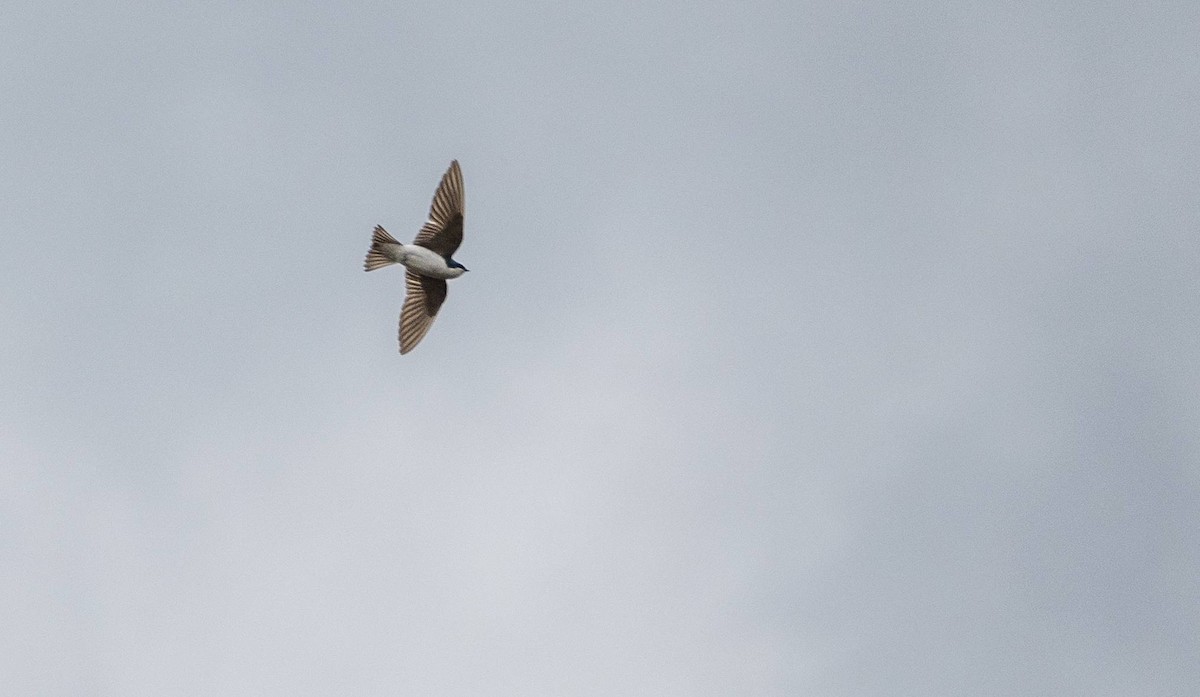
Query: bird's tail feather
[{"x": 376, "y": 257}]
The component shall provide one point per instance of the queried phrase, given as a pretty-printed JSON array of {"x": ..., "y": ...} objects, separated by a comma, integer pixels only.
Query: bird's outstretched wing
[
  {"x": 425, "y": 296},
  {"x": 443, "y": 232}
]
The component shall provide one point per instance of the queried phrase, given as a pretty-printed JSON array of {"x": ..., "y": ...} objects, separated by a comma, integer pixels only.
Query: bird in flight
[{"x": 428, "y": 261}]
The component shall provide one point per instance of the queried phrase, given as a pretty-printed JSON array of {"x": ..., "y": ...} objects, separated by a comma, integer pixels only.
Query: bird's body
[
  {"x": 420, "y": 260},
  {"x": 429, "y": 260}
]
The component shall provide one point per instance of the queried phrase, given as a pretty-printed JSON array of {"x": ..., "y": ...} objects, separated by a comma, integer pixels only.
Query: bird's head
[{"x": 455, "y": 265}]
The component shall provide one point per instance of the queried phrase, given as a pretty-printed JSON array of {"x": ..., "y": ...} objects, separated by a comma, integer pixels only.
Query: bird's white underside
[{"x": 420, "y": 260}]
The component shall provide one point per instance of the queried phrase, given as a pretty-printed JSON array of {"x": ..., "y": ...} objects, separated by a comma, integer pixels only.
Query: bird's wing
[
  {"x": 443, "y": 232},
  {"x": 425, "y": 297}
]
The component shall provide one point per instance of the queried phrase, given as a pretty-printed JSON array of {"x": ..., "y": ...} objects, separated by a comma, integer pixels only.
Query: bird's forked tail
[{"x": 377, "y": 258}]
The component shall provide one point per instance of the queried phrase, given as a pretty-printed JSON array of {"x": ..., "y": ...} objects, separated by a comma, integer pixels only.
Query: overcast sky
[{"x": 809, "y": 348}]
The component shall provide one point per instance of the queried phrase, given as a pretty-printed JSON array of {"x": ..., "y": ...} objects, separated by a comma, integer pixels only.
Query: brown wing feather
[
  {"x": 421, "y": 304},
  {"x": 443, "y": 232}
]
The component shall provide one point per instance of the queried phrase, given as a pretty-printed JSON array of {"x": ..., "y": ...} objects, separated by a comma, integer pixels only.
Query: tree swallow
[{"x": 428, "y": 260}]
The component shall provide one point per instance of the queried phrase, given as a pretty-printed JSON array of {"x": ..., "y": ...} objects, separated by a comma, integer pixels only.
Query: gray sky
[{"x": 809, "y": 348}]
